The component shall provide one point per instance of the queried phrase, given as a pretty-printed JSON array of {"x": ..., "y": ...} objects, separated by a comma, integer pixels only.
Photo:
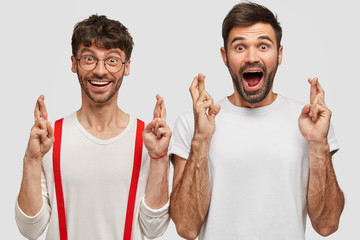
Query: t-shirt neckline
[
  {"x": 101, "y": 141},
  {"x": 257, "y": 110}
]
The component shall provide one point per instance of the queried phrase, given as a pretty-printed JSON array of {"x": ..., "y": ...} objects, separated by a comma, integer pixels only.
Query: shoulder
[
  {"x": 67, "y": 120},
  {"x": 289, "y": 104},
  {"x": 185, "y": 119},
  {"x": 290, "y": 101},
  {"x": 224, "y": 102},
  {"x": 182, "y": 135}
]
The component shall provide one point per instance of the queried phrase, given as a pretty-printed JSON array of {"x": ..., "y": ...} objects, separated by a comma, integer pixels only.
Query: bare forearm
[
  {"x": 191, "y": 196},
  {"x": 325, "y": 199},
  {"x": 30, "y": 196},
  {"x": 157, "y": 189}
]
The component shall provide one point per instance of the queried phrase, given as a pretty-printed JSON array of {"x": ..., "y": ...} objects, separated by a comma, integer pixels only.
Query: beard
[
  {"x": 93, "y": 96},
  {"x": 257, "y": 95}
]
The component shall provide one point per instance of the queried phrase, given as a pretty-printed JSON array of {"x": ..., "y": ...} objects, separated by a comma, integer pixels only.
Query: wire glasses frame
[{"x": 89, "y": 63}]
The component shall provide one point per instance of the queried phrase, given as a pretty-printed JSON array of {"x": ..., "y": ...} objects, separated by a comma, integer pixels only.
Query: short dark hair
[
  {"x": 102, "y": 32},
  {"x": 246, "y": 14}
]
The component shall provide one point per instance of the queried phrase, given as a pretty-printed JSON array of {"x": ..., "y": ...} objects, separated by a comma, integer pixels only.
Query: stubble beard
[
  {"x": 93, "y": 97},
  {"x": 258, "y": 95}
]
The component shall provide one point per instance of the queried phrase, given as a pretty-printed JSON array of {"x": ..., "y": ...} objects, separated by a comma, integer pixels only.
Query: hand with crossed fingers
[
  {"x": 314, "y": 121},
  {"x": 204, "y": 109},
  {"x": 40, "y": 142},
  {"x": 42, "y": 134},
  {"x": 157, "y": 133}
]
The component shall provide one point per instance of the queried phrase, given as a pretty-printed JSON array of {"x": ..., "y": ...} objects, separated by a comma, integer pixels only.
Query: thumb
[
  {"x": 305, "y": 112},
  {"x": 214, "y": 110}
]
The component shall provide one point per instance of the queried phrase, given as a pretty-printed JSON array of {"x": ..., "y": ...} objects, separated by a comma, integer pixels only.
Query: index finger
[
  {"x": 313, "y": 90},
  {"x": 163, "y": 110},
  {"x": 40, "y": 109},
  {"x": 197, "y": 86},
  {"x": 193, "y": 89},
  {"x": 159, "y": 110},
  {"x": 316, "y": 90},
  {"x": 320, "y": 91},
  {"x": 201, "y": 82}
]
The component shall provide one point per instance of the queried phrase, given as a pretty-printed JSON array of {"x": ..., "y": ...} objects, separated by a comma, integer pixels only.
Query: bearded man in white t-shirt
[
  {"x": 268, "y": 164},
  {"x": 96, "y": 181}
]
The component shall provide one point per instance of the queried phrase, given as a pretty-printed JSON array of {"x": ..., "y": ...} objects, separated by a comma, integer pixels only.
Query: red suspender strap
[
  {"x": 57, "y": 179},
  {"x": 134, "y": 180},
  {"x": 133, "y": 184}
]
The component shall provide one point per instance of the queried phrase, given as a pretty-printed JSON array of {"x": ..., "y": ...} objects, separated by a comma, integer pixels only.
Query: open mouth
[
  {"x": 253, "y": 78},
  {"x": 99, "y": 83}
]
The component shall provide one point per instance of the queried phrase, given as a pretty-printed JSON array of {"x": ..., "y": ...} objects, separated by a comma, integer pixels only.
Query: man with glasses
[{"x": 85, "y": 176}]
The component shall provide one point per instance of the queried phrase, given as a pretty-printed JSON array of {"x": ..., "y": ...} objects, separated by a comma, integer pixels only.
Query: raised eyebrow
[
  {"x": 237, "y": 39},
  {"x": 86, "y": 50},
  {"x": 114, "y": 52},
  {"x": 93, "y": 53},
  {"x": 266, "y": 38}
]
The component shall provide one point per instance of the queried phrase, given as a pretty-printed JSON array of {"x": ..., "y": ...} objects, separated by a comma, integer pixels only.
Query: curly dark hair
[{"x": 102, "y": 32}]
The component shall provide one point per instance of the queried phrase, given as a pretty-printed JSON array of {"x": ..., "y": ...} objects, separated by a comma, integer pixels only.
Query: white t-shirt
[
  {"x": 96, "y": 177},
  {"x": 258, "y": 170}
]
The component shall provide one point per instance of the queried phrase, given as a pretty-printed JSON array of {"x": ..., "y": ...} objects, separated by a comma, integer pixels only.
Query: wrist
[
  {"x": 319, "y": 156},
  {"x": 31, "y": 157},
  {"x": 32, "y": 160},
  {"x": 202, "y": 138},
  {"x": 199, "y": 150},
  {"x": 157, "y": 156},
  {"x": 318, "y": 146}
]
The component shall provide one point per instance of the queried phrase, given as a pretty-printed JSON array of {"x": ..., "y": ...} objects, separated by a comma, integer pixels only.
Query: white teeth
[{"x": 99, "y": 83}]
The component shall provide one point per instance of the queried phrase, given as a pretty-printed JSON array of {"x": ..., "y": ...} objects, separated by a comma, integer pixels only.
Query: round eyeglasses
[{"x": 89, "y": 63}]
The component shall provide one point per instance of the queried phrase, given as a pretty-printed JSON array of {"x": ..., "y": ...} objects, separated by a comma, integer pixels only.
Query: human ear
[
  {"x": 223, "y": 55},
  {"x": 73, "y": 64},
  {"x": 280, "y": 52},
  {"x": 127, "y": 68}
]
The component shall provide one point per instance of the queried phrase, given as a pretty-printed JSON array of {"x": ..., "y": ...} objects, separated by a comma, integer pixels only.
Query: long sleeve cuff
[
  {"x": 154, "y": 212},
  {"x": 153, "y": 222},
  {"x": 21, "y": 216},
  {"x": 32, "y": 227}
]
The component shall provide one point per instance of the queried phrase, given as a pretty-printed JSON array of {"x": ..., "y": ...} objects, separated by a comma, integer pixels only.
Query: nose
[
  {"x": 100, "y": 69},
  {"x": 252, "y": 56}
]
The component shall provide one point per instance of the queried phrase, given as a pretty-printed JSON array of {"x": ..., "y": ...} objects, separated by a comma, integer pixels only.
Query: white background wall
[{"x": 174, "y": 40}]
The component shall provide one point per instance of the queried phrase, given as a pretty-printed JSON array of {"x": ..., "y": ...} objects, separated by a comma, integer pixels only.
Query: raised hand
[
  {"x": 314, "y": 120},
  {"x": 157, "y": 133},
  {"x": 204, "y": 108},
  {"x": 41, "y": 140},
  {"x": 42, "y": 134}
]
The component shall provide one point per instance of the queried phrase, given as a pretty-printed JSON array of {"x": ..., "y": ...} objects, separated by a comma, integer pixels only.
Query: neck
[
  {"x": 238, "y": 101},
  {"x": 102, "y": 120}
]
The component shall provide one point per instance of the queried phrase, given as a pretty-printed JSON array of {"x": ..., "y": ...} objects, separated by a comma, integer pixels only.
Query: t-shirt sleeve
[
  {"x": 333, "y": 143},
  {"x": 182, "y": 135}
]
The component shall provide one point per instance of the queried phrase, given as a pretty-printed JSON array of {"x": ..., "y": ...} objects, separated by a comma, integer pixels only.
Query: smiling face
[
  {"x": 99, "y": 85},
  {"x": 252, "y": 57}
]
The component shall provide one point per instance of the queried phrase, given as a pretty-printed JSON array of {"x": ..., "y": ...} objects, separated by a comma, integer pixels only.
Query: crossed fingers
[
  {"x": 317, "y": 100},
  {"x": 158, "y": 127},
  {"x": 201, "y": 98},
  {"x": 160, "y": 110},
  {"x": 316, "y": 91},
  {"x": 40, "y": 109},
  {"x": 197, "y": 87}
]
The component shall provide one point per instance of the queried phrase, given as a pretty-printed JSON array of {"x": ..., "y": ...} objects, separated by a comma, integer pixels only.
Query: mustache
[
  {"x": 94, "y": 77},
  {"x": 252, "y": 65}
]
